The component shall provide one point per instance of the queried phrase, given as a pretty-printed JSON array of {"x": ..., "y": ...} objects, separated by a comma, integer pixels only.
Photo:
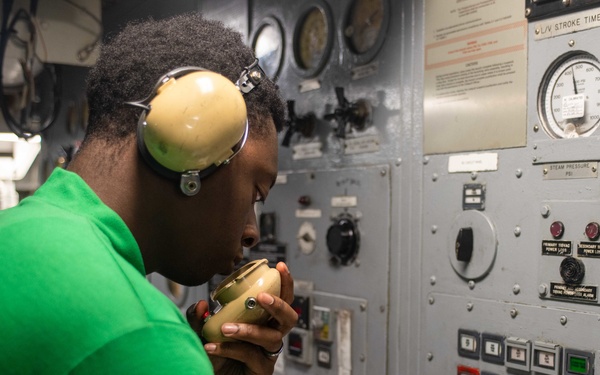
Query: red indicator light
[
  {"x": 592, "y": 231},
  {"x": 465, "y": 370},
  {"x": 557, "y": 229},
  {"x": 304, "y": 200}
]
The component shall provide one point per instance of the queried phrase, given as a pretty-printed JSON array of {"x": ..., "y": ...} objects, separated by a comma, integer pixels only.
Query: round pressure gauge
[
  {"x": 268, "y": 45},
  {"x": 569, "y": 97},
  {"x": 365, "y": 27},
  {"x": 313, "y": 38}
]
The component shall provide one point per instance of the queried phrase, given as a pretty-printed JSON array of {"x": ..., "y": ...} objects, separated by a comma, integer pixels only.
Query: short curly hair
[{"x": 133, "y": 60}]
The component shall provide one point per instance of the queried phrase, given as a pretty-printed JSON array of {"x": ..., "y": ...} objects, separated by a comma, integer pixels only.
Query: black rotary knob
[
  {"x": 342, "y": 240},
  {"x": 572, "y": 270}
]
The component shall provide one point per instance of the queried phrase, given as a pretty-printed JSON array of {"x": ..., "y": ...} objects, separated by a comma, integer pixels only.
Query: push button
[
  {"x": 546, "y": 358},
  {"x": 492, "y": 348},
  {"x": 468, "y": 343},
  {"x": 517, "y": 353}
]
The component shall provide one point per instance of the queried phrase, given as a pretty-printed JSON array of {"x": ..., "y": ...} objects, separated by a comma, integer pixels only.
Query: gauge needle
[{"x": 574, "y": 81}]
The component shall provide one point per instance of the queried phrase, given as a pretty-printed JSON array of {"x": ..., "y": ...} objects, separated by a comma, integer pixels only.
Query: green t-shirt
[{"x": 74, "y": 296}]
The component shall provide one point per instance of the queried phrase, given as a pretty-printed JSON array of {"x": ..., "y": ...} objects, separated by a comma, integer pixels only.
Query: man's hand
[{"x": 255, "y": 350}]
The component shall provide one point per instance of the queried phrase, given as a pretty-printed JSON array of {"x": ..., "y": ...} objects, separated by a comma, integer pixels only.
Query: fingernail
[
  {"x": 267, "y": 298},
  {"x": 229, "y": 329},
  {"x": 286, "y": 268},
  {"x": 210, "y": 347}
]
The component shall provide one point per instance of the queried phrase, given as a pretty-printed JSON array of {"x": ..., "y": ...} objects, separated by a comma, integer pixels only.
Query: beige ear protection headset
[{"x": 194, "y": 121}]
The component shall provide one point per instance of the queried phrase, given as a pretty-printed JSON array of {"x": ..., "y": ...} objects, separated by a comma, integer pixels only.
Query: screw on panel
[
  {"x": 527, "y": 12},
  {"x": 545, "y": 171},
  {"x": 431, "y": 300},
  {"x": 542, "y": 289},
  {"x": 517, "y": 231},
  {"x": 432, "y": 280},
  {"x": 473, "y": 176},
  {"x": 519, "y": 173},
  {"x": 513, "y": 313},
  {"x": 594, "y": 169},
  {"x": 563, "y": 320},
  {"x": 469, "y": 306},
  {"x": 434, "y": 229},
  {"x": 429, "y": 356},
  {"x": 571, "y": 43},
  {"x": 471, "y": 284},
  {"x": 537, "y": 31},
  {"x": 516, "y": 289}
]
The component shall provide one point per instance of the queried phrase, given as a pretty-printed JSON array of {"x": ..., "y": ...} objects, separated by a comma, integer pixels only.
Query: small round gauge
[
  {"x": 365, "y": 27},
  {"x": 569, "y": 97},
  {"x": 313, "y": 38},
  {"x": 268, "y": 45}
]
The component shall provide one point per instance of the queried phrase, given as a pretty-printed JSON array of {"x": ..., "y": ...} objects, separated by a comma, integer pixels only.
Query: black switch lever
[{"x": 464, "y": 244}]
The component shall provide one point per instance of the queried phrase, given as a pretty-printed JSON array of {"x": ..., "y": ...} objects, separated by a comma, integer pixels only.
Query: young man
[{"x": 75, "y": 298}]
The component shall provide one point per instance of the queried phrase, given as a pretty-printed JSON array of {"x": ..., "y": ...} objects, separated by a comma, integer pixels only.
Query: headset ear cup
[{"x": 194, "y": 121}]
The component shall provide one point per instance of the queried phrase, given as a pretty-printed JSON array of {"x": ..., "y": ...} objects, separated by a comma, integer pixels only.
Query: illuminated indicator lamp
[
  {"x": 592, "y": 231},
  {"x": 557, "y": 229},
  {"x": 577, "y": 365},
  {"x": 464, "y": 370}
]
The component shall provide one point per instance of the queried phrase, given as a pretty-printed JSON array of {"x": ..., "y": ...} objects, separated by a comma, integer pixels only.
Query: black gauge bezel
[
  {"x": 271, "y": 21},
  {"x": 361, "y": 58},
  {"x": 303, "y": 13}
]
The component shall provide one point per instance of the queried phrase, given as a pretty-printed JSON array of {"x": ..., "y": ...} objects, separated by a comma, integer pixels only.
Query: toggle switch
[{"x": 464, "y": 244}]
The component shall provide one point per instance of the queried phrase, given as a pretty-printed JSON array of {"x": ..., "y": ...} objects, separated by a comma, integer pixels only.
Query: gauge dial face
[
  {"x": 312, "y": 38},
  {"x": 569, "y": 99},
  {"x": 364, "y": 25},
  {"x": 268, "y": 47}
]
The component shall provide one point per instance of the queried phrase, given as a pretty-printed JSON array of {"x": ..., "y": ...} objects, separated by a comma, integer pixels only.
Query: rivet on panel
[
  {"x": 432, "y": 280},
  {"x": 537, "y": 31},
  {"x": 527, "y": 12},
  {"x": 426, "y": 160},
  {"x": 469, "y": 306},
  {"x": 516, "y": 289},
  {"x": 429, "y": 356},
  {"x": 517, "y": 231},
  {"x": 434, "y": 177},
  {"x": 536, "y": 128},
  {"x": 534, "y": 159},
  {"x": 434, "y": 229},
  {"x": 398, "y": 162},
  {"x": 431, "y": 300},
  {"x": 383, "y": 172},
  {"x": 542, "y": 289},
  {"x": 362, "y": 357},
  {"x": 363, "y": 306},
  {"x": 357, "y": 263},
  {"x": 563, "y": 320},
  {"x": 545, "y": 210},
  {"x": 474, "y": 176},
  {"x": 471, "y": 284},
  {"x": 519, "y": 173},
  {"x": 571, "y": 43},
  {"x": 514, "y": 313},
  {"x": 382, "y": 308}
]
